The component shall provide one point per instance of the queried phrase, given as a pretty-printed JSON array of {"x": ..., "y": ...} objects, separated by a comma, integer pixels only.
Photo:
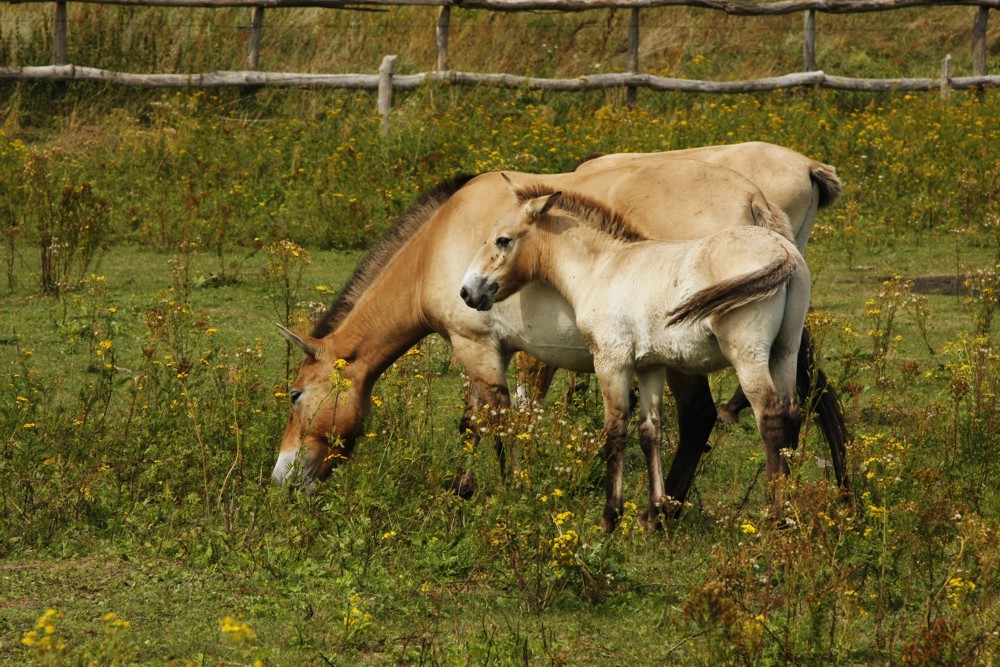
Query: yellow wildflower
[{"x": 236, "y": 631}]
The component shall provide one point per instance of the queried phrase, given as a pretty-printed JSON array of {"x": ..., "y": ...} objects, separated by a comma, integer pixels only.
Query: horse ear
[
  {"x": 539, "y": 206},
  {"x": 510, "y": 185},
  {"x": 311, "y": 346}
]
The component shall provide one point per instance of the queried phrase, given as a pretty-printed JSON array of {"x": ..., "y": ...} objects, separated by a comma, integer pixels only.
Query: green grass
[
  {"x": 95, "y": 524},
  {"x": 143, "y": 398}
]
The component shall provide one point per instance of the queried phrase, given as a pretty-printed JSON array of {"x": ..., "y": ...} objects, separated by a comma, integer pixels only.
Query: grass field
[{"x": 152, "y": 240}]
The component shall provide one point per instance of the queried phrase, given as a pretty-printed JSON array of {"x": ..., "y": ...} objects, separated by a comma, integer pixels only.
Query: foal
[{"x": 737, "y": 298}]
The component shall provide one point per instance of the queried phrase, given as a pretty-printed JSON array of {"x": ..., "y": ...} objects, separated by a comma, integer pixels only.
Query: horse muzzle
[{"x": 479, "y": 293}]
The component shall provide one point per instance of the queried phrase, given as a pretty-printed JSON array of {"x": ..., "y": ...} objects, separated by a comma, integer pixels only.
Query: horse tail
[
  {"x": 824, "y": 177},
  {"x": 735, "y": 292},
  {"x": 770, "y": 216},
  {"x": 815, "y": 391}
]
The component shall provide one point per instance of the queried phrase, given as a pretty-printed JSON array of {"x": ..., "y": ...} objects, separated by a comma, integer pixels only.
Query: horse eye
[
  {"x": 295, "y": 395},
  {"x": 504, "y": 242}
]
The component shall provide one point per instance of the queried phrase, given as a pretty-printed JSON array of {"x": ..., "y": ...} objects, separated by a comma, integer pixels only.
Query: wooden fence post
[
  {"x": 443, "y": 23},
  {"x": 809, "y": 42},
  {"x": 59, "y": 35},
  {"x": 979, "y": 42},
  {"x": 253, "y": 44},
  {"x": 633, "y": 53},
  {"x": 385, "y": 88},
  {"x": 946, "y": 77}
]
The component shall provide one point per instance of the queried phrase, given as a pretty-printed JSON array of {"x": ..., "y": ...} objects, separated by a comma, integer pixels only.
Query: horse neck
[
  {"x": 383, "y": 324},
  {"x": 567, "y": 260}
]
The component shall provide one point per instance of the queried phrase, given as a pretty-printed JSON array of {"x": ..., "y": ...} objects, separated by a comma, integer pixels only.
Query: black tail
[
  {"x": 824, "y": 403},
  {"x": 825, "y": 178}
]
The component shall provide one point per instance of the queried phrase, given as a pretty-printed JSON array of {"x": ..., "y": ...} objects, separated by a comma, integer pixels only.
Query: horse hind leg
[
  {"x": 776, "y": 411},
  {"x": 650, "y": 438},
  {"x": 533, "y": 377},
  {"x": 778, "y": 431},
  {"x": 695, "y": 419},
  {"x": 815, "y": 391},
  {"x": 730, "y": 414}
]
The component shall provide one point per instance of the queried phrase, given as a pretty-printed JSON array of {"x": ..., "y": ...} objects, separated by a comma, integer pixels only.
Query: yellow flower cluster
[
  {"x": 44, "y": 638},
  {"x": 562, "y": 517},
  {"x": 958, "y": 589},
  {"x": 563, "y": 549},
  {"x": 236, "y": 631},
  {"x": 356, "y": 618},
  {"x": 111, "y": 620}
]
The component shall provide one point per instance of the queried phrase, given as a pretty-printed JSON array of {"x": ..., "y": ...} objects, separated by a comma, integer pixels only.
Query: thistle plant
[
  {"x": 70, "y": 220},
  {"x": 983, "y": 286},
  {"x": 286, "y": 264},
  {"x": 880, "y": 313}
]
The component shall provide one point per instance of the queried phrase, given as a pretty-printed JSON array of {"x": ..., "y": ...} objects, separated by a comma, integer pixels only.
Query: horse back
[
  {"x": 677, "y": 199},
  {"x": 797, "y": 184}
]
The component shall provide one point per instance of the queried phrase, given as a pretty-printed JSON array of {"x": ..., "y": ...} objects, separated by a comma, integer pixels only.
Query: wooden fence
[{"x": 385, "y": 81}]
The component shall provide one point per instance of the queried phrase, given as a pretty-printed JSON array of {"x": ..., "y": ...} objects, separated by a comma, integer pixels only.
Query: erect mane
[
  {"x": 384, "y": 249},
  {"x": 588, "y": 210}
]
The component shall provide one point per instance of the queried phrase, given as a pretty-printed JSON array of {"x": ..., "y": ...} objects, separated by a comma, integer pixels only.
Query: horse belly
[
  {"x": 540, "y": 322},
  {"x": 687, "y": 348}
]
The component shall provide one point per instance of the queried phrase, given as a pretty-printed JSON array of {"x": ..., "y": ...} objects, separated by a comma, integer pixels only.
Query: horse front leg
[
  {"x": 614, "y": 389},
  {"x": 650, "y": 438},
  {"x": 486, "y": 404},
  {"x": 695, "y": 419}
]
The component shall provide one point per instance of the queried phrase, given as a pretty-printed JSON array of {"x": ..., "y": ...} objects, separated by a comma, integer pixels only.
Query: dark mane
[
  {"x": 384, "y": 249},
  {"x": 588, "y": 210}
]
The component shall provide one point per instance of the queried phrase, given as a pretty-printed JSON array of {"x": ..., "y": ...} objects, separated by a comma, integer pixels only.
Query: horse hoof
[
  {"x": 727, "y": 417},
  {"x": 464, "y": 485},
  {"x": 651, "y": 522},
  {"x": 609, "y": 521}
]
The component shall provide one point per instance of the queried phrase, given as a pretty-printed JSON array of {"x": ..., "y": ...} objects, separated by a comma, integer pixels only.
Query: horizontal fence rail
[
  {"x": 410, "y": 81},
  {"x": 735, "y": 7},
  {"x": 385, "y": 81}
]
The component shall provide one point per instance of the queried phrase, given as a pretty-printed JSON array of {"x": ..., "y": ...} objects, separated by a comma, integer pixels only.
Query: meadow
[{"x": 152, "y": 240}]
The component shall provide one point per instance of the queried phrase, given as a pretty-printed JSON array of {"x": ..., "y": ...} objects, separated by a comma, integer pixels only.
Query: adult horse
[
  {"x": 736, "y": 298},
  {"x": 404, "y": 290}
]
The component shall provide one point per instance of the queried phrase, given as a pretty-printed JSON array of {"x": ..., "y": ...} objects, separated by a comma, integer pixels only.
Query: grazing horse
[
  {"x": 403, "y": 290},
  {"x": 736, "y": 298}
]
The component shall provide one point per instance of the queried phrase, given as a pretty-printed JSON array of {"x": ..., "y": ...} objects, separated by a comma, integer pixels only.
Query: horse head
[
  {"x": 327, "y": 413},
  {"x": 495, "y": 272}
]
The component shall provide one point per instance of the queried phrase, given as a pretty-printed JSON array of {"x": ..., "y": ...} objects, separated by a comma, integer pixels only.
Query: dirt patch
[{"x": 945, "y": 285}]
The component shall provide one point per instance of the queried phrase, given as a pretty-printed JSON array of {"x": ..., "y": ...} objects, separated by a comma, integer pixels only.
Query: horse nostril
[{"x": 464, "y": 294}]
